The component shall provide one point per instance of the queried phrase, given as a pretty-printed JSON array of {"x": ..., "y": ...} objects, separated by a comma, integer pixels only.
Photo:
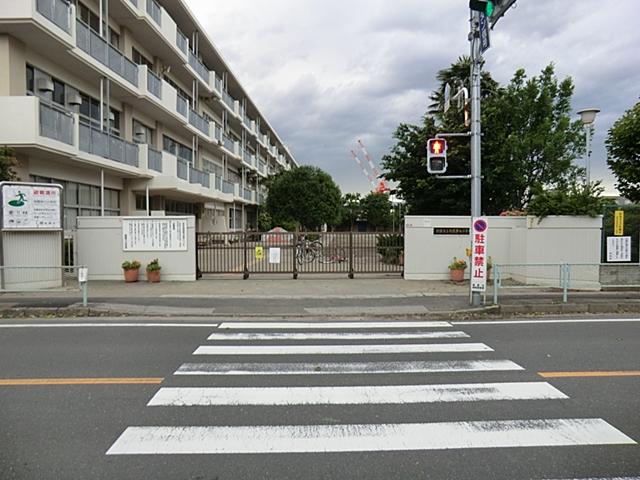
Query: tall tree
[
  {"x": 351, "y": 210},
  {"x": 305, "y": 197},
  {"x": 7, "y": 165},
  {"x": 376, "y": 209},
  {"x": 528, "y": 144},
  {"x": 623, "y": 147}
]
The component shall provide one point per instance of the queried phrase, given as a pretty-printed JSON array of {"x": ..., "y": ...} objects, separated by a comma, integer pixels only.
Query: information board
[
  {"x": 149, "y": 234},
  {"x": 31, "y": 207},
  {"x": 479, "y": 258},
  {"x": 618, "y": 249}
]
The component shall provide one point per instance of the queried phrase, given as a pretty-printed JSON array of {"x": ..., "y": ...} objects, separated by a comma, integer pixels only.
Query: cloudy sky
[{"x": 329, "y": 72}]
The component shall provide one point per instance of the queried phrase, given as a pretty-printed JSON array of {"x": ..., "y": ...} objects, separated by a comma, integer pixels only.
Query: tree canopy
[
  {"x": 304, "y": 197},
  {"x": 376, "y": 210},
  {"x": 7, "y": 165},
  {"x": 623, "y": 147},
  {"x": 529, "y": 144}
]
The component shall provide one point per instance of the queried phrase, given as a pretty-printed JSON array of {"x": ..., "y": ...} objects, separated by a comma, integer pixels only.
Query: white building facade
[{"x": 128, "y": 104}]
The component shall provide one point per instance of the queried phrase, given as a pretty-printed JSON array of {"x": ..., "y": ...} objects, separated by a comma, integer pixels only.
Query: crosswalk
[{"x": 349, "y": 363}]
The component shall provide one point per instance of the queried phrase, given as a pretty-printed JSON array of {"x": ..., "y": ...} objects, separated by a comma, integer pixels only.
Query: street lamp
[{"x": 587, "y": 117}]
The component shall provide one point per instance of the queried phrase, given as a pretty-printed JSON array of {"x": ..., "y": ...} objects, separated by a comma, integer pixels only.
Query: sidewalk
[{"x": 312, "y": 297}]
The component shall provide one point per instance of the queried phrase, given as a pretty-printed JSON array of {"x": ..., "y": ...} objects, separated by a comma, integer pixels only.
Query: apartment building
[{"x": 129, "y": 105}]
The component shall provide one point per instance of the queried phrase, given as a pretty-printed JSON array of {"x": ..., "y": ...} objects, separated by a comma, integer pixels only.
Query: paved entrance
[{"x": 348, "y": 253}]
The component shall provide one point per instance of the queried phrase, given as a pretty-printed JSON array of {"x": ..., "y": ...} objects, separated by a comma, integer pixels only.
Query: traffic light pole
[{"x": 476, "y": 132}]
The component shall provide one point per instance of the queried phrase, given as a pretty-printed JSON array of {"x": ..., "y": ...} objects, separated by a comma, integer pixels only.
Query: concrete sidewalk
[{"x": 311, "y": 297}]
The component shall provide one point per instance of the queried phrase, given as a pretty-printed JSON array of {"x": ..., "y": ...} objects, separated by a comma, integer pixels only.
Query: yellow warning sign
[
  {"x": 259, "y": 253},
  {"x": 618, "y": 223}
]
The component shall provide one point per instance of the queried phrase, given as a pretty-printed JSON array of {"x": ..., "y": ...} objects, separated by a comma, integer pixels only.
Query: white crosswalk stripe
[{"x": 335, "y": 340}]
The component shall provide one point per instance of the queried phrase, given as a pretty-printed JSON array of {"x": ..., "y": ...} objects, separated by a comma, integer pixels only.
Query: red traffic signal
[{"x": 437, "y": 147}]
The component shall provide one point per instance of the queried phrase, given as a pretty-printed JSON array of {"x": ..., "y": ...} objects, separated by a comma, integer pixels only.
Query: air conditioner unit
[
  {"x": 44, "y": 84},
  {"x": 74, "y": 99}
]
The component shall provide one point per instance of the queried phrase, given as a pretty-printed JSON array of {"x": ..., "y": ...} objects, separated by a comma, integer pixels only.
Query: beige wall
[{"x": 12, "y": 66}]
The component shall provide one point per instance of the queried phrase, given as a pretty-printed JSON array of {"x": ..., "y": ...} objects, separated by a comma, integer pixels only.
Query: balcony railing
[
  {"x": 246, "y": 194},
  {"x": 218, "y": 183},
  {"x": 262, "y": 167},
  {"x": 218, "y": 83},
  {"x": 57, "y": 124},
  {"x": 261, "y": 198},
  {"x": 247, "y": 157},
  {"x": 183, "y": 169},
  {"x": 134, "y": 2},
  {"x": 229, "y": 101},
  {"x": 154, "y": 84},
  {"x": 96, "y": 46},
  {"x": 200, "y": 68},
  {"x": 155, "y": 160},
  {"x": 182, "y": 105},
  {"x": 228, "y": 187},
  {"x": 182, "y": 41},
  {"x": 153, "y": 9},
  {"x": 217, "y": 132},
  {"x": 109, "y": 146},
  {"x": 228, "y": 143},
  {"x": 198, "y": 176},
  {"x": 199, "y": 121},
  {"x": 58, "y": 11}
]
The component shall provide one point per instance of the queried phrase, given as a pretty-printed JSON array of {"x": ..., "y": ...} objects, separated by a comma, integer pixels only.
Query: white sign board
[
  {"x": 618, "y": 249},
  {"x": 274, "y": 255},
  {"x": 479, "y": 257},
  {"x": 31, "y": 207},
  {"x": 149, "y": 234}
]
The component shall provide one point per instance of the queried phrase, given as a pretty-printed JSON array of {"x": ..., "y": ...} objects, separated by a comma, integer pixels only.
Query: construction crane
[{"x": 379, "y": 187}]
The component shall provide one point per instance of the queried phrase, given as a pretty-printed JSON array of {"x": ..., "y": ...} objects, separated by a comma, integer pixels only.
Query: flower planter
[
  {"x": 153, "y": 276},
  {"x": 457, "y": 275},
  {"x": 131, "y": 275}
]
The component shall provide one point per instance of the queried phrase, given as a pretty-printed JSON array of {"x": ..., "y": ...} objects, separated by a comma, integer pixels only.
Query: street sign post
[{"x": 479, "y": 237}]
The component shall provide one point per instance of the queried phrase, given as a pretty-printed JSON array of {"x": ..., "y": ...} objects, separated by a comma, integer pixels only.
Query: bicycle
[
  {"x": 307, "y": 251},
  {"x": 333, "y": 255}
]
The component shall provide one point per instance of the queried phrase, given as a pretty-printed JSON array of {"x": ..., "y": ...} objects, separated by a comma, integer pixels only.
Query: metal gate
[{"x": 347, "y": 253}]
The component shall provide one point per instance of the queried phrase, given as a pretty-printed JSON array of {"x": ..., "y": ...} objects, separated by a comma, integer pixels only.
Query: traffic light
[
  {"x": 436, "y": 155},
  {"x": 493, "y": 9},
  {"x": 484, "y": 6}
]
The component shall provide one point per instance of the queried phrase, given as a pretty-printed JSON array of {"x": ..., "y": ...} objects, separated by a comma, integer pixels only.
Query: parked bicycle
[{"x": 307, "y": 251}]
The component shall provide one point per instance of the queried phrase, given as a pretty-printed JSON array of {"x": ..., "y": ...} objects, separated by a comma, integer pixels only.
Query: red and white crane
[{"x": 381, "y": 185}]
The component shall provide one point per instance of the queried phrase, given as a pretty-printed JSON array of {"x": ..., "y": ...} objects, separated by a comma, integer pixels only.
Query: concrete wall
[
  {"x": 512, "y": 240},
  {"x": 100, "y": 249}
]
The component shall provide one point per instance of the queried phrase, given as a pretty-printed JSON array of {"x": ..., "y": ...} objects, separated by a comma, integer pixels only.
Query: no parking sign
[{"x": 479, "y": 258}]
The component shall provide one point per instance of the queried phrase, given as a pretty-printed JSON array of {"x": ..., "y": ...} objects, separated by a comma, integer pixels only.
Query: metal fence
[
  {"x": 56, "y": 123},
  {"x": 631, "y": 228},
  {"x": 199, "y": 121},
  {"x": 58, "y": 11},
  {"x": 154, "y": 84},
  {"x": 182, "y": 41},
  {"x": 183, "y": 169},
  {"x": 347, "y": 253},
  {"x": 155, "y": 160},
  {"x": 199, "y": 67},
  {"x": 97, "y": 142},
  {"x": 182, "y": 105}
]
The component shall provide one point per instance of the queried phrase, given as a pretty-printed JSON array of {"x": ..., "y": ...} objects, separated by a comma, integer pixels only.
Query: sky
[{"x": 326, "y": 73}]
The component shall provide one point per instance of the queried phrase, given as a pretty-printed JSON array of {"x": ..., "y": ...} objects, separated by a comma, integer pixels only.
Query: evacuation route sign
[
  {"x": 478, "y": 274},
  {"x": 30, "y": 207}
]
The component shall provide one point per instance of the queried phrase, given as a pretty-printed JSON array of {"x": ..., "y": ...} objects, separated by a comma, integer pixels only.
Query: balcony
[
  {"x": 58, "y": 11},
  {"x": 98, "y": 48},
  {"x": 183, "y": 169},
  {"x": 103, "y": 144},
  {"x": 198, "y": 121},
  {"x": 56, "y": 123},
  {"x": 154, "y": 84},
  {"x": 155, "y": 11},
  {"x": 198, "y": 176},
  {"x": 262, "y": 167},
  {"x": 182, "y": 41},
  {"x": 228, "y": 144},
  {"x": 248, "y": 158},
  {"x": 200, "y": 68},
  {"x": 154, "y": 160},
  {"x": 247, "y": 194},
  {"x": 230, "y": 102},
  {"x": 182, "y": 105},
  {"x": 228, "y": 187}
]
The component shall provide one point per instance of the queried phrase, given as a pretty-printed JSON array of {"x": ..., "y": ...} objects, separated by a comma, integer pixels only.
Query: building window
[
  {"x": 235, "y": 219},
  {"x": 142, "y": 133},
  {"x": 58, "y": 92},
  {"x": 234, "y": 176},
  {"x": 30, "y": 79},
  {"x": 83, "y": 200},
  {"x": 174, "y": 207},
  {"x": 140, "y": 59},
  {"x": 176, "y": 148}
]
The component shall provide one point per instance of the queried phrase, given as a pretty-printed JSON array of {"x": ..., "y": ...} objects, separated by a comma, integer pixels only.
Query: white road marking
[
  {"x": 334, "y": 336},
  {"x": 366, "y": 438},
  {"x": 340, "y": 349},
  {"x": 353, "y": 395},
  {"x": 347, "y": 368},
  {"x": 108, "y": 325},
  {"x": 328, "y": 325},
  {"x": 534, "y": 322}
]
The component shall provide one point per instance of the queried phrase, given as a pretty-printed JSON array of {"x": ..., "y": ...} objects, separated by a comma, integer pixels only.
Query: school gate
[{"x": 281, "y": 252}]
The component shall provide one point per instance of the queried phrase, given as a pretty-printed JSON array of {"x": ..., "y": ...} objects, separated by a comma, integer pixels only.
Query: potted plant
[
  {"x": 131, "y": 270},
  {"x": 456, "y": 269},
  {"x": 153, "y": 271}
]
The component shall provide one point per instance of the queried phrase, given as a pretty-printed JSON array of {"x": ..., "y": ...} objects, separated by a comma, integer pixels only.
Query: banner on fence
[{"x": 479, "y": 256}]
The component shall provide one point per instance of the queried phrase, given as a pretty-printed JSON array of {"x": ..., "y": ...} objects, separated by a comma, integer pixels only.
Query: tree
[
  {"x": 306, "y": 197},
  {"x": 623, "y": 147},
  {"x": 529, "y": 144},
  {"x": 351, "y": 210},
  {"x": 7, "y": 165},
  {"x": 376, "y": 210},
  {"x": 574, "y": 199}
]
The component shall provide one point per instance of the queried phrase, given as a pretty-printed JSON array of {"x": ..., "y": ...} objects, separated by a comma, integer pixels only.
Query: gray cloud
[{"x": 327, "y": 72}]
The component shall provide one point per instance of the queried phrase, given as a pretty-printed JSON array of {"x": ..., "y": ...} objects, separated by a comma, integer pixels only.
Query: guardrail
[
  {"x": 17, "y": 279},
  {"x": 109, "y": 146},
  {"x": 58, "y": 11},
  {"x": 56, "y": 123},
  {"x": 154, "y": 84}
]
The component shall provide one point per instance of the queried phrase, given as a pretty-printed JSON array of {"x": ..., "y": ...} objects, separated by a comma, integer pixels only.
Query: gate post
[
  {"x": 246, "y": 257},
  {"x": 295, "y": 251},
  {"x": 351, "y": 275}
]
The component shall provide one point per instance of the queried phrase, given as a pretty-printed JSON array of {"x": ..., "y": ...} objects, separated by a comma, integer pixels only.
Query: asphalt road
[{"x": 65, "y": 431}]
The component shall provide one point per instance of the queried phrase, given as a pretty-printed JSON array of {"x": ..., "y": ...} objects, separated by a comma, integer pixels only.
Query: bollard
[{"x": 83, "y": 277}]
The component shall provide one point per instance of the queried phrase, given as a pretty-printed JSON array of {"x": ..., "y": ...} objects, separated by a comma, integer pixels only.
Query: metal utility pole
[{"x": 476, "y": 130}]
